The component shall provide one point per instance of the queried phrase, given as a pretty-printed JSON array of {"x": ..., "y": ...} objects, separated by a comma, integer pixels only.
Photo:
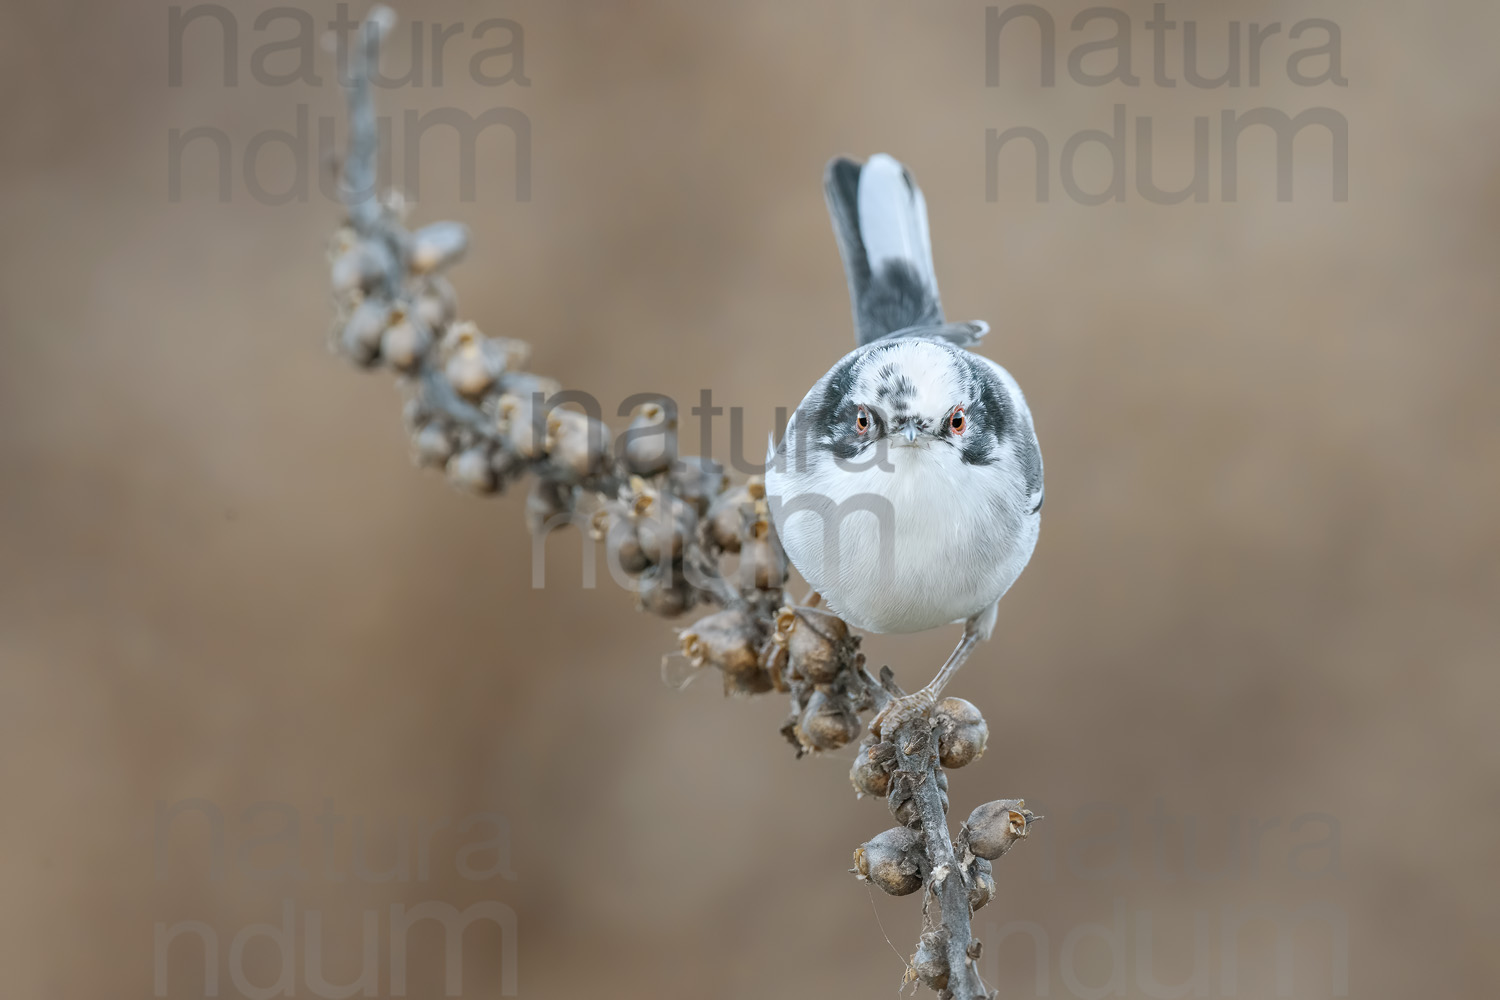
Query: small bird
[{"x": 907, "y": 487}]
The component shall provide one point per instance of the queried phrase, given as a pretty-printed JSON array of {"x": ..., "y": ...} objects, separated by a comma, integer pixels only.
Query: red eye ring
[
  {"x": 862, "y": 420},
  {"x": 956, "y": 421}
]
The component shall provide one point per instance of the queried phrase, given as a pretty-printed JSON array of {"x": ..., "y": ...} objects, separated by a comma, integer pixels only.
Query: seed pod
[
  {"x": 404, "y": 343},
  {"x": 580, "y": 444},
  {"x": 763, "y": 563},
  {"x": 432, "y": 446},
  {"x": 664, "y": 591},
  {"x": 816, "y": 641},
  {"x": 437, "y": 246},
  {"x": 362, "y": 267},
  {"x": 470, "y": 470},
  {"x": 664, "y": 524},
  {"x": 995, "y": 827},
  {"x": 727, "y": 640},
  {"x": 697, "y": 481},
  {"x": 884, "y": 754},
  {"x": 725, "y": 518},
  {"x": 726, "y": 515},
  {"x": 523, "y": 427},
  {"x": 615, "y": 525},
  {"x": 650, "y": 443},
  {"x": 436, "y": 304},
  {"x": 886, "y": 860},
  {"x": 868, "y": 777},
  {"x": 930, "y": 963},
  {"x": 625, "y": 548},
  {"x": 415, "y": 413},
  {"x": 504, "y": 462},
  {"x": 983, "y": 888},
  {"x": 826, "y": 723},
  {"x": 961, "y": 731},
  {"x": 754, "y": 682},
  {"x": 773, "y": 660},
  {"x": 549, "y": 505},
  {"x": 360, "y": 338},
  {"x": 474, "y": 363},
  {"x": 902, "y": 799}
]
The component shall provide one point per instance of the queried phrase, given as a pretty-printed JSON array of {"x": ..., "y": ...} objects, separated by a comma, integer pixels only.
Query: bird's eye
[
  {"x": 862, "y": 420},
  {"x": 956, "y": 422}
]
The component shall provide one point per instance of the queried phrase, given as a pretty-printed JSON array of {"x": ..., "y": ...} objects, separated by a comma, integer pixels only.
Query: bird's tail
[{"x": 880, "y": 219}]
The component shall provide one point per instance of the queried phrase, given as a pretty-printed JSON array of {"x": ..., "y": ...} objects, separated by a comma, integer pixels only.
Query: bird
[{"x": 907, "y": 486}]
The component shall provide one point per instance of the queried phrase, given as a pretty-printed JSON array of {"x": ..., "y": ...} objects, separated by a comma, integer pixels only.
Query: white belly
[{"x": 929, "y": 542}]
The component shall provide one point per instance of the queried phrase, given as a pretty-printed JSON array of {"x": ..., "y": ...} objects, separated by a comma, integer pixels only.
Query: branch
[{"x": 671, "y": 525}]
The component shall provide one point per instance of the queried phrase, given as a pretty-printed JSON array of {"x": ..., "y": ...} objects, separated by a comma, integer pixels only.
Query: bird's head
[{"x": 908, "y": 397}]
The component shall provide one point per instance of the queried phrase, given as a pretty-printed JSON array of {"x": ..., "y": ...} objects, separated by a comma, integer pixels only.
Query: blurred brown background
[{"x": 1265, "y": 589}]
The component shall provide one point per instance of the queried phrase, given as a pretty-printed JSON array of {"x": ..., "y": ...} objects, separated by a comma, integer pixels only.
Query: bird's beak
[{"x": 911, "y": 433}]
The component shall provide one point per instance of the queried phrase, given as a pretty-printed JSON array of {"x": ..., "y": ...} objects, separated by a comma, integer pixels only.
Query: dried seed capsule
[
  {"x": 664, "y": 591},
  {"x": 755, "y": 682},
  {"x": 726, "y": 518},
  {"x": 473, "y": 363},
  {"x": 961, "y": 731},
  {"x": 362, "y": 267},
  {"x": 415, "y": 413},
  {"x": 817, "y": 641},
  {"x": 580, "y": 444},
  {"x": 432, "y": 445},
  {"x": 727, "y": 513},
  {"x": 884, "y": 754},
  {"x": 437, "y": 246},
  {"x": 697, "y": 481},
  {"x": 549, "y": 505},
  {"x": 623, "y": 544},
  {"x": 773, "y": 661},
  {"x": 763, "y": 564},
  {"x": 504, "y": 462},
  {"x": 982, "y": 889},
  {"x": 650, "y": 443},
  {"x": 360, "y": 338},
  {"x": 904, "y": 804},
  {"x": 470, "y": 470},
  {"x": 616, "y": 526},
  {"x": 930, "y": 962},
  {"x": 995, "y": 827},
  {"x": 404, "y": 343},
  {"x": 886, "y": 860},
  {"x": 725, "y": 640},
  {"x": 470, "y": 372},
  {"x": 868, "y": 777},
  {"x": 728, "y": 640},
  {"x": 436, "y": 304},
  {"x": 826, "y": 722},
  {"x": 525, "y": 429},
  {"x": 664, "y": 524}
]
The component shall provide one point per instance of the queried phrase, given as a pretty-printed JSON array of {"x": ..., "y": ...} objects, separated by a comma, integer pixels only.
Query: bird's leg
[{"x": 899, "y": 711}]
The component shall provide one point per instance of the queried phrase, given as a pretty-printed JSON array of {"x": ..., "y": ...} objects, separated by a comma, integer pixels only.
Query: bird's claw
[{"x": 899, "y": 711}]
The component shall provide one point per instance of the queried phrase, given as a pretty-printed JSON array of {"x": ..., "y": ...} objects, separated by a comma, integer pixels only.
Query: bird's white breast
[{"x": 926, "y": 541}]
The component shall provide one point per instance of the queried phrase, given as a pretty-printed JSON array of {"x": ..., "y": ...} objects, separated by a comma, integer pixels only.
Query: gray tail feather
[{"x": 880, "y": 220}]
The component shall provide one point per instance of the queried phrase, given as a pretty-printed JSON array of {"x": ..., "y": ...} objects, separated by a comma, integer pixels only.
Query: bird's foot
[{"x": 901, "y": 710}]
